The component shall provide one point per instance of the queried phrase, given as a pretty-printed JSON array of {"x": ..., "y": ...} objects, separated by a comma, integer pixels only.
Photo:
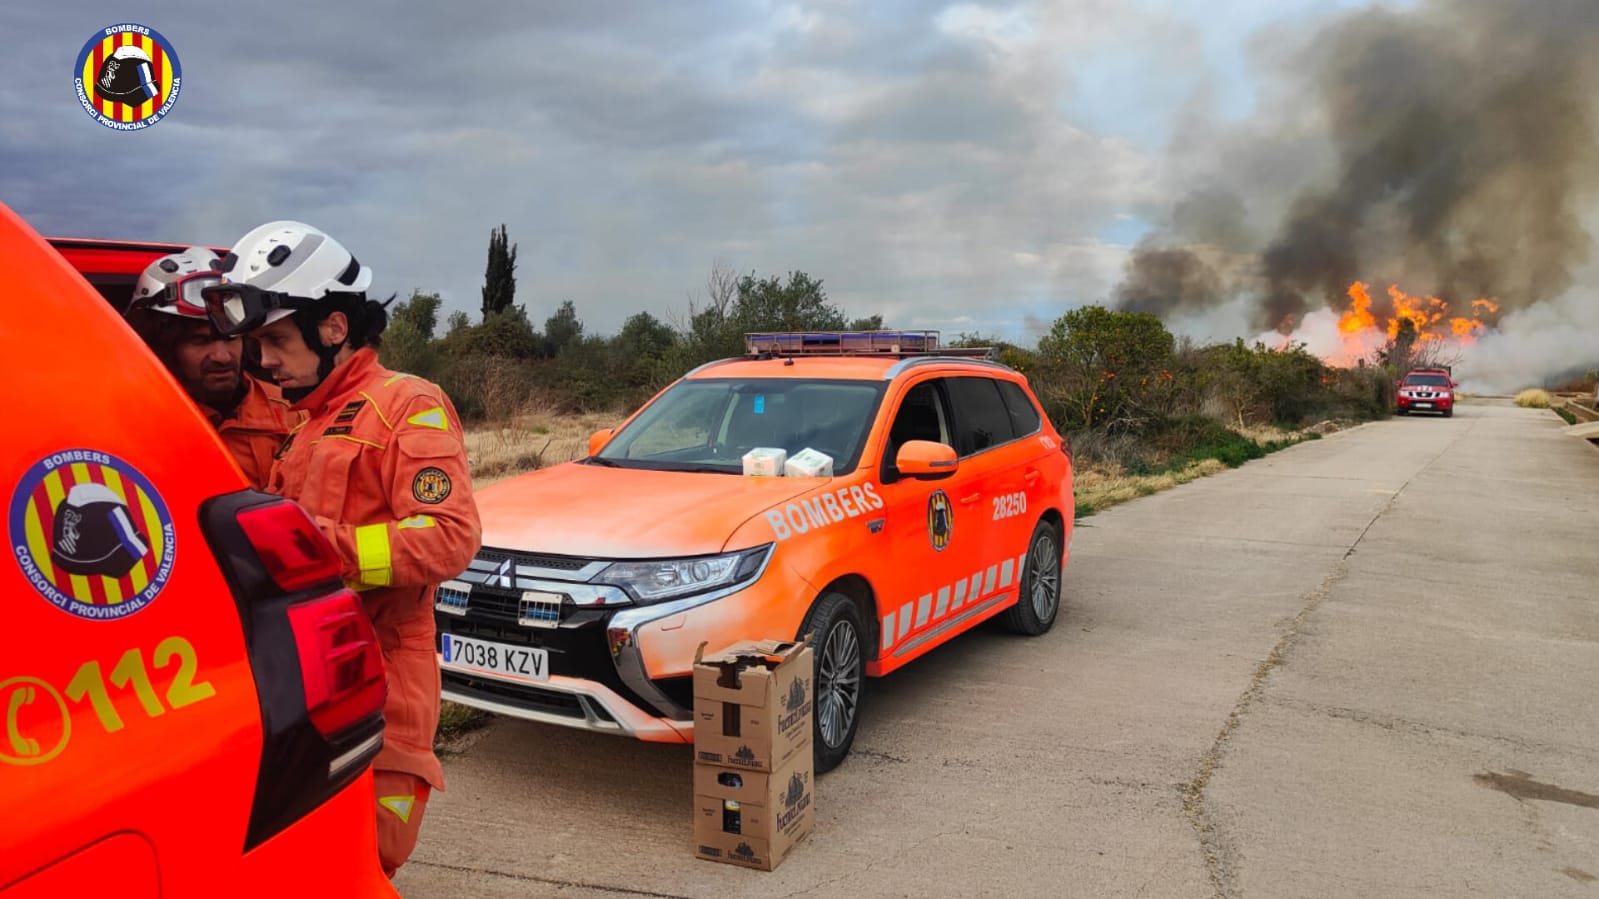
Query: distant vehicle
[
  {"x": 944, "y": 500},
  {"x": 1427, "y": 390},
  {"x": 191, "y": 697}
]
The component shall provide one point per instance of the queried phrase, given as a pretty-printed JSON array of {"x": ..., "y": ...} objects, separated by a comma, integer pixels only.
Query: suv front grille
[
  {"x": 556, "y": 563},
  {"x": 579, "y": 650}
]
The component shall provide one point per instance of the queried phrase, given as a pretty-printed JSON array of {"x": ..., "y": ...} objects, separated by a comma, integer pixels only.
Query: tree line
[{"x": 1098, "y": 371}]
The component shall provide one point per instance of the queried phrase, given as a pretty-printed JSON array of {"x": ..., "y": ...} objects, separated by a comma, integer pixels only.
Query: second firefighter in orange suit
[
  {"x": 380, "y": 462},
  {"x": 167, "y": 311}
]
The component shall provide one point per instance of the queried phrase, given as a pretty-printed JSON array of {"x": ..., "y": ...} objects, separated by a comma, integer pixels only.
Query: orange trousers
[{"x": 402, "y": 799}]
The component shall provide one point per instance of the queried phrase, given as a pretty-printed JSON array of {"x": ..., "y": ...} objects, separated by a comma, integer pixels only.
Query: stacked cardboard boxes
[{"x": 754, "y": 769}]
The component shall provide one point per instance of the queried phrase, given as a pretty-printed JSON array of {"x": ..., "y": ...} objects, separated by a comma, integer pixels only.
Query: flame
[
  {"x": 1358, "y": 318},
  {"x": 1429, "y": 316}
]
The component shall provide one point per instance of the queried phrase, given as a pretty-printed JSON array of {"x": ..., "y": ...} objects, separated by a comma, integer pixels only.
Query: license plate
[
  {"x": 1424, "y": 405},
  {"x": 469, "y": 654}
]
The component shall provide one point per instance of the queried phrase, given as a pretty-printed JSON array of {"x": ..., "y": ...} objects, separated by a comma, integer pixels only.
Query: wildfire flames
[{"x": 1360, "y": 328}]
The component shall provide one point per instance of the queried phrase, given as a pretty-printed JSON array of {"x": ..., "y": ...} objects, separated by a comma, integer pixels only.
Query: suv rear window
[
  {"x": 1024, "y": 417},
  {"x": 985, "y": 421},
  {"x": 1426, "y": 381}
]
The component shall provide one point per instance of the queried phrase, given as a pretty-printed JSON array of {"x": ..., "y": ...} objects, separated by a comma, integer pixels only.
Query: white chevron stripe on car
[{"x": 898, "y": 624}]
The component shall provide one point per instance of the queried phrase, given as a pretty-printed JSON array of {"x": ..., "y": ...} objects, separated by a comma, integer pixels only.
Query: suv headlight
[{"x": 658, "y": 580}]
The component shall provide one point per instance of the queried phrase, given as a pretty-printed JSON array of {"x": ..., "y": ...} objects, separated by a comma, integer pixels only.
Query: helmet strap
[{"x": 309, "y": 320}]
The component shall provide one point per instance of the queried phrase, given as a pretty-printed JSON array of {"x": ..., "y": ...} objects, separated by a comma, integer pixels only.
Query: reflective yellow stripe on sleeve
[{"x": 372, "y": 552}]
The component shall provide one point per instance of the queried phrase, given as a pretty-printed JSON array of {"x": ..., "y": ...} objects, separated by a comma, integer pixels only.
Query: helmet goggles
[
  {"x": 237, "y": 309},
  {"x": 183, "y": 297}
]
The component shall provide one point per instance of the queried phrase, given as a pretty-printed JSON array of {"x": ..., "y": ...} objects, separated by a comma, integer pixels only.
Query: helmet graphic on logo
[
  {"x": 94, "y": 534},
  {"x": 126, "y": 77},
  {"x": 172, "y": 283}
]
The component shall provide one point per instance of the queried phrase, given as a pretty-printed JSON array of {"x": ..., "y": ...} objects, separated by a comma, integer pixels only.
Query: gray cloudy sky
[{"x": 962, "y": 166}]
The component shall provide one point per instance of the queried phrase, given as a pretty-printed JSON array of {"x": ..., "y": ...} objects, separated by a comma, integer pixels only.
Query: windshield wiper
[
  {"x": 699, "y": 469},
  {"x": 608, "y": 463}
]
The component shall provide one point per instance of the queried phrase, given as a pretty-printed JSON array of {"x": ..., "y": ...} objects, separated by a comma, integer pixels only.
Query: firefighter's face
[
  {"x": 208, "y": 366},
  {"x": 286, "y": 355}
]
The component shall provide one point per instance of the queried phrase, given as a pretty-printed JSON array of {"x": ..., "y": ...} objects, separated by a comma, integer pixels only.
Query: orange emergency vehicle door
[
  {"x": 134, "y": 760},
  {"x": 935, "y": 543}
]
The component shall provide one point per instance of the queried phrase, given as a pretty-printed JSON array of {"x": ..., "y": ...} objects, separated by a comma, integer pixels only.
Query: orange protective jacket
[
  {"x": 257, "y": 428},
  {"x": 381, "y": 464}
]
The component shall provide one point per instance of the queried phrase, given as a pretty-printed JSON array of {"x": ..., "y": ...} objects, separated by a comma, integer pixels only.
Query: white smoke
[{"x": 1534, "y": 345}]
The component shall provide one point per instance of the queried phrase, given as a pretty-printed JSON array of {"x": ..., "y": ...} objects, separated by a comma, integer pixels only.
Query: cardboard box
[
  {"x": 753, "y": 819},
  {"x": 765, "y": 461},
  {"x": 752, "y": 704},
  {"x": 808, "y": 463}
]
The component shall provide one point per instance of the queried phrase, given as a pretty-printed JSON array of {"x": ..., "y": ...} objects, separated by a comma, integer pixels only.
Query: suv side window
[
  {"x": 1024, "y": 417},
  {"x": 921, "y": 416},
  {"x": 985, "y": 422}
]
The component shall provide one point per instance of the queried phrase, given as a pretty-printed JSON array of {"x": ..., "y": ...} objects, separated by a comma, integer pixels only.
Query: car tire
[
  {"x": 839, "y": 648},
  {"x": 1039, "y": 603},
  {"x": 1449, "y": 412}
]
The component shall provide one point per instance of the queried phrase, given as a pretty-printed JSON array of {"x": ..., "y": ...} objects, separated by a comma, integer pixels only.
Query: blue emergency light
[{"x": 851, "y": 343}]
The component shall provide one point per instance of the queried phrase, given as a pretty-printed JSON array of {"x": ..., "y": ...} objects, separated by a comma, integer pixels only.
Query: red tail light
[
  {"x": 313, "y": 652},
  {"x": 293, "y": 549},
  {"x": 339, "y": 661}
]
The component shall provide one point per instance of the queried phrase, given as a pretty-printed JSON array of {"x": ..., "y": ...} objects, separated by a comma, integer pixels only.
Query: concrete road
[{"x": 1365, "y": 666}]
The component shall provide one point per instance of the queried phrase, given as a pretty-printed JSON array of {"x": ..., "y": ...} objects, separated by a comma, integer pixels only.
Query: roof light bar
[{"x": 852, "y": 343}]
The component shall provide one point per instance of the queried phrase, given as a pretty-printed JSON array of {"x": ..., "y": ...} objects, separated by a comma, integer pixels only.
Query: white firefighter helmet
[
  {"x": 277, "y": 269},
  {"x": 172, "y": 283}
]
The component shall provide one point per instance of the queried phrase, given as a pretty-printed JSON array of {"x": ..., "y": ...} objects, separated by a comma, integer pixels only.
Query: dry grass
[
  {"x": 1533, "y": 398},
  {"x": 1098, "y": 487},
  {"x": 528, "y": 441}
]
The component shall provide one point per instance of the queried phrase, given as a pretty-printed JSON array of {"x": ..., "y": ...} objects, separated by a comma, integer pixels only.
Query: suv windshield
[
  {"x": 709, "y": 424},
  {"x": 1426, "y": 381}
]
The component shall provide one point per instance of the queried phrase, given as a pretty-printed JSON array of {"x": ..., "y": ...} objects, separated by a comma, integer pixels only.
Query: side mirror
[
  {"x": 598, "y": 439},
  {"x": 926, "y": 459}
]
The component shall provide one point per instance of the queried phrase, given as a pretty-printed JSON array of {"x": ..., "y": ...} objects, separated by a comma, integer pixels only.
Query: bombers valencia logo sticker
[
  {"x": 91, "y": 534},
  {"x": 127, "y": 77},
  {"x": 940, "y": 519},
  {"x": 431, "y": 485}
]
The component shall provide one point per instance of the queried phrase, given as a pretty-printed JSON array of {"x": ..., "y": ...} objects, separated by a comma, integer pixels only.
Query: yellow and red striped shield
[
  {"x": 146, "y": 60},
  {"x": 133, "y": 560}
]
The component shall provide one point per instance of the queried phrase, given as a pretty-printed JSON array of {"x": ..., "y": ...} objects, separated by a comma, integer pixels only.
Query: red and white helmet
[
  {"x": 277, "y": 269},
  {"x": 172, "y": 283}
]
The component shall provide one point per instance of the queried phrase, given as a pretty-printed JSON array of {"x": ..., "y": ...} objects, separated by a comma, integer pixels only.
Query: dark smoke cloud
[{"x": 1464, "y": 151}]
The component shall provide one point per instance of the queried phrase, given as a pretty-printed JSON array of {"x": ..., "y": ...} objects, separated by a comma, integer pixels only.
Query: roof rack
[{"x": 895, "y": 344}]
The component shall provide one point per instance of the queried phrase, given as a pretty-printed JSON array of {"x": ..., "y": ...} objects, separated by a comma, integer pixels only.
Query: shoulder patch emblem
[
  {"x": 432, "y": 418},
  {"x": 431, "y": 485}
]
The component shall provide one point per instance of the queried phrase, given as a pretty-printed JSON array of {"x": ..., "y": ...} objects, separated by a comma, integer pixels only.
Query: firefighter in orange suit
[
  {"x": 167, "y": 311},
  {"x": 381, "y": 464}
]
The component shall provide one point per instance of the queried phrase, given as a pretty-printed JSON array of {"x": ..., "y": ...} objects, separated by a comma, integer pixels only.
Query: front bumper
[
  {"x": 1426, "y": 404},
  {"x": 597, "y": 679}
]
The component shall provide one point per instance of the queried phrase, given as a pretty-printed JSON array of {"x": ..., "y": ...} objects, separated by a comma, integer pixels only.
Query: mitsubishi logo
[{"x": 502, "y": 576}]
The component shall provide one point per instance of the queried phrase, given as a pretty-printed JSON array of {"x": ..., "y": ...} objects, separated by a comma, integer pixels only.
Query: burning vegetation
[{"x": 1450, "y": 146}]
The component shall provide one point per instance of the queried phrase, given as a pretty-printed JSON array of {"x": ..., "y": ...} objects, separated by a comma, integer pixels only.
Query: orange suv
[
  {"x": 870, "y": 488},
  {"x": 192, "y": 698}
]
